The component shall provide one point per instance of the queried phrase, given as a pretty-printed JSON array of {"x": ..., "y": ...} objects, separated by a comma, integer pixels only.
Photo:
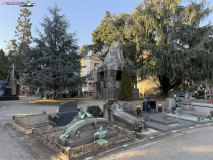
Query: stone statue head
[
  {"x": 119, "y": 39},
  {"x": 146, "y": 97}
]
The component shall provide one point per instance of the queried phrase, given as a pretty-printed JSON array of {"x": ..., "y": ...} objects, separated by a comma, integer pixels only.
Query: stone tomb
[
  {"x": 118, "y": 116},
  {"x": 33, "y": 121},
  {"x": 82, "y": 131},
  {"x": 66, "y": 112},
  {"x": 107, "y": 83}
]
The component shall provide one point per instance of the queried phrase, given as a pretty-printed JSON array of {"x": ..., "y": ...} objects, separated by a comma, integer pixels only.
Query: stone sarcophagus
[
  {"x": 82, "y": 131},
  {"x": 108, "y": 82}
]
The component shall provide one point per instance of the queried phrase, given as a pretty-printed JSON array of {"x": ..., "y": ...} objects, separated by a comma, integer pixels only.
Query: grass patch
[
  {"x": 51, "y": 100},
  {"x": 89, "y": 96}
]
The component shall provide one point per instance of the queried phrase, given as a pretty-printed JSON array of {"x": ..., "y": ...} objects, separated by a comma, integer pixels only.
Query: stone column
[{"x": 13, "y": 82}]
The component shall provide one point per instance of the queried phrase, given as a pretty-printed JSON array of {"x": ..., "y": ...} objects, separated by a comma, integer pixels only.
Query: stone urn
[{"x": 160, "y": 108}]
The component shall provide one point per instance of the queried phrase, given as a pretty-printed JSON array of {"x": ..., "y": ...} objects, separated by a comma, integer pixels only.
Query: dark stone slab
[
  {"x": 168, "y": 128},
  {"x": 140, "y": 135},
  {"x": 159, "y": 118},
  {"x": 67, "y": 111},
  {"x": 67, "y": 106}
]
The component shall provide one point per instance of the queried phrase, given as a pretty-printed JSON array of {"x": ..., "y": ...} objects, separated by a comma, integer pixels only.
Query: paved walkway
[{"x": 194, "y": 144}]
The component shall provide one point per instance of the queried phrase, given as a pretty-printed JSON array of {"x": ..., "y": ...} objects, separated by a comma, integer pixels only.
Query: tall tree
[
  {"x": 23, "y": 30},
  {"x": 54, "y": 64},
  {"x": 178, "y": 50},
  {"x": 19, "y": 45},
  {"x": 4, "y": 65}
]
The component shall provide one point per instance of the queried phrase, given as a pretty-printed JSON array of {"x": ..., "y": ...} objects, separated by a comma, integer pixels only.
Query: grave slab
[{"x": 33, "y": 121}]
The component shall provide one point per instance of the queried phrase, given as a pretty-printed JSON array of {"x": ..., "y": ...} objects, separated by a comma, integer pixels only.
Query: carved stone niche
[
  {"x": 110, "y": 75},
  {"x": 83, "y": 133}
]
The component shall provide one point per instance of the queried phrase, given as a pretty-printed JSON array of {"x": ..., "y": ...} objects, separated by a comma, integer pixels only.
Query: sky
[{"x": 83, "y": 15}]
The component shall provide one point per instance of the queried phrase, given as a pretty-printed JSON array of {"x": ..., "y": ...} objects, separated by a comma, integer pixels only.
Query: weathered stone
[
  {"x": 1, "y": 88},
  {"x": 110, "y": 72},
  {"x": 168, "y": 106},
  {"x": 118, "y": 84},
  {"x": 33, "y": 121},
  {"x": 132, "y": 84},
  {"x": 110, "y": 84}
]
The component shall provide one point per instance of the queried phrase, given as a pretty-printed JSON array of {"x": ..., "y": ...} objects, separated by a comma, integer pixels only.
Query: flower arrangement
[{"x": 209, "y": 115}]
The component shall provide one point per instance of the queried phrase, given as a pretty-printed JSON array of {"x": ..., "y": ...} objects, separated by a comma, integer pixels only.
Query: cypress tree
[{"x": 126, "y": 89}]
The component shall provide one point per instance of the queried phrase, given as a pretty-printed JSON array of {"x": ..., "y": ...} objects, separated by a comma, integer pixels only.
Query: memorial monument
[
  {"x": 108, "y": 82},
  {"x": 84, "y": 128},
  {"x": 8, "y": 87},
  {"x": 177, "y": 112}
]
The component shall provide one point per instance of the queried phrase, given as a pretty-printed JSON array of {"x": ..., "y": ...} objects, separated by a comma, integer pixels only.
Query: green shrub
[{"x": 126, "y": 89}]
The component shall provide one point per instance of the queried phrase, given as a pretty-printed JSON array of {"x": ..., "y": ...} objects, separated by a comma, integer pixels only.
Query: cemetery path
[{"x": 190, "y": 144}]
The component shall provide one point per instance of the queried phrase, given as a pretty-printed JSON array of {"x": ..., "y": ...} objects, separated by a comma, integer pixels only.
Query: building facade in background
[{"x": 91, "y": 64}]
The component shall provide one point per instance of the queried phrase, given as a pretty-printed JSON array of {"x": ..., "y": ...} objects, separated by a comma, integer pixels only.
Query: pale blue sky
[{"x": 83, "y": 15}]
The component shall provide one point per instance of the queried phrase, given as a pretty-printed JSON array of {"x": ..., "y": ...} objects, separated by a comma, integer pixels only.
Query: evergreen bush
[{"x": 126, "y": 89}]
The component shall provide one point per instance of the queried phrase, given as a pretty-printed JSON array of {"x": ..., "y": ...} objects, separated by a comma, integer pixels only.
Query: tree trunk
[{"x": 53, "y": 97}]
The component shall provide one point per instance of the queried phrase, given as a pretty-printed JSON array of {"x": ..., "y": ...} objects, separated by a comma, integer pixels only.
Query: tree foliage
[
  {"x": 54, "y": 64},
  {"x": 4, "y": 65},
  {"x": 179, "y": 47},
  {"x": 126, "y": 89},
  {"x": 164, "y": 39}
]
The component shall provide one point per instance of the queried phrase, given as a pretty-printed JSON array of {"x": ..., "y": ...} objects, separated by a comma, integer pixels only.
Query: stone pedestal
[
  {"x": 168, "y": 106},
  {"x": 12, "y": 84}
]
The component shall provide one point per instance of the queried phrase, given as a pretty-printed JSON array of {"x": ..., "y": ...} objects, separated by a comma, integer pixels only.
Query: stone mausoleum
[{"x": 107, "y": 79}]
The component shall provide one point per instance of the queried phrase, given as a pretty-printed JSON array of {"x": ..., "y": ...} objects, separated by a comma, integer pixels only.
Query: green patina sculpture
[
  {"x": 187, "y": 95},
  {"x": 13, "y": 118},
  {"x": 65, "y": 136},
  {"x": 100, "y": 134},
  {"x": 82, "y": 114},
  {"x": 177, "y": 111}
]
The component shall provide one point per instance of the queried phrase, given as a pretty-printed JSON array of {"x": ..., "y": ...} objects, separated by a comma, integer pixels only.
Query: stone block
[
  {"x": 118, "y": 84},
  {"x": 168, "y": 106},
  {"x": 33, "y": 121},
  {"x": 110, "y": 84},
  {"x": 132, "y": 84},
  {"x": 103, "y": 84},
  {"x": 127, "y": 107},
  {"x": 95, "y": 76}
]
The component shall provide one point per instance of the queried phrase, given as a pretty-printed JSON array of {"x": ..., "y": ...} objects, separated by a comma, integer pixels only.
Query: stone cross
[{"x": 12, "y": 70}]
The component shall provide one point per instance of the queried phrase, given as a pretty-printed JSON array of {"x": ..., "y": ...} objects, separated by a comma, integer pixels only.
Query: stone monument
[
  {"x": 6, "y": 88},
  {"x": 66, "y": 112},
  {"x": 12, "y": 82},
  {"x": 84, "y": 128},
  {"x": 108, "y": 82},
  {"x": 178, "y": 112}
]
